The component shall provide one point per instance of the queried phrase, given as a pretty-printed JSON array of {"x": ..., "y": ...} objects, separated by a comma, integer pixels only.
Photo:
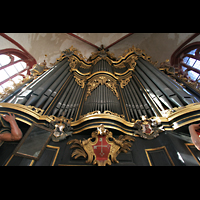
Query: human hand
[
  {"x": 9, "y": 118},
  {"x": 194, "y": 126}
]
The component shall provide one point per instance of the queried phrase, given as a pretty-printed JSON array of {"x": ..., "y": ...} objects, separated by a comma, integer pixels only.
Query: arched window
[
  {"x": 13, "y": 67},
  {"x": 190, "y": 64},
  {"x": 187, "y": 61}
]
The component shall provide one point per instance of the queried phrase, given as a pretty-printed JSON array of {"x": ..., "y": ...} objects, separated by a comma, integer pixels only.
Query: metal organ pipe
[
  {"x": 162, "y": 86},
  {"x": 75, "y": 106},
  {"x": 46, "y": 84},
  {"x": 23, "y": 96},
  {"x": 185, "y": 96},
  {"x": 46, "y": 95},
  {"x": 53, "y": 94},
  {"x": 149, "y": 91},
  {"x": 66, "y": 96},
  {"x": 144, "y": 103},
  {"x": 71, "y": 101},
  {"x": 59, "y": 104},
  {"x": 154, "y": 88}
]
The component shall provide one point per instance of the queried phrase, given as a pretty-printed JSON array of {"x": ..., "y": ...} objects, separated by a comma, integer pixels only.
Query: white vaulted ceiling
[
  {"x": 159, "y": 46},
  {"x": 101, "y": 38}
]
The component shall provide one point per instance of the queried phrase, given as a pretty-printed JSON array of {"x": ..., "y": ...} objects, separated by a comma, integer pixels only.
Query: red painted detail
[{"x": 101, "y": 148}]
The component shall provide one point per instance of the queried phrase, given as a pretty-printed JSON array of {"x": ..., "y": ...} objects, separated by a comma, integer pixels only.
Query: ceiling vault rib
[
  {"x": 83, "y": 40},
  {"x": 119, "y": 40}
]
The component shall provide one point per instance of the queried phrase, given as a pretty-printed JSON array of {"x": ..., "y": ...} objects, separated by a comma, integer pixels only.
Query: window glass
[
  {"x": 23, "y": 64},
  {"x": 192, "y": 52},
  {"x": 185, "y": 60},
  {"x": 197, "y": 65},
  {"x": 16, "y": 58},
  {"x": 11, "y": 70},
  {"x": 4, "y": 59},
  {"x": 193, "y": 75},
  {"x": 24, "y": 73},
  {"x": 19, "y": 66},
  {"x": 3, "y": 75},
  {"x": 184, "y": 68},
  {"x": 191, "y": 61}
]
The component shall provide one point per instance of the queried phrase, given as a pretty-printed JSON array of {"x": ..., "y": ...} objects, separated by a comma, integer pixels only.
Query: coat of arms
[
  {"x": 147, "y": 128},
  {"x": 102, "y": 147}
]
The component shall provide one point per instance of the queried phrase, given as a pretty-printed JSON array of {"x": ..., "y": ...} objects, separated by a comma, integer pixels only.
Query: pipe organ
[
  {"x": 104, "y": 90},
  {"x": 127, "y": 88}
]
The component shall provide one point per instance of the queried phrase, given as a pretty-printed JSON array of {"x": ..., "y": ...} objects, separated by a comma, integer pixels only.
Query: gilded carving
[
  {"x": 62, "y": 128},
  {"x": 37, "y": 110},
  {"x": 131, "y": 60},
  {"x": 102, "y": 148},
  {"x": 103, "y": 80},
  {"x": 73, "y": 63},
  {"x": 137, "y": 52},
  {"x": 147, "y": 128},
  {"x": 124, "y": 82},
  {"x": 80, "y": 79},
  {"x": 111, "y": 113},
  {"x": 105, "y": 112}
]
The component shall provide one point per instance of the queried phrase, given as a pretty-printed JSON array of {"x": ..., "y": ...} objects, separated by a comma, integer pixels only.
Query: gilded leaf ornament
[{"x": 102, "y": 148}]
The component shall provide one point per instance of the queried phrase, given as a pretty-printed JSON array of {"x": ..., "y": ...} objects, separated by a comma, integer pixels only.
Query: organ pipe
[{"x": 129, "y": 88}]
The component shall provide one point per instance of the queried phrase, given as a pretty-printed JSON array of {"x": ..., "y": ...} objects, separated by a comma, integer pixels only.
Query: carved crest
[
  {"x": 62, "y": 128},
  {"x": 147, "y": 128},
  {"x": 102, "y": 148}
]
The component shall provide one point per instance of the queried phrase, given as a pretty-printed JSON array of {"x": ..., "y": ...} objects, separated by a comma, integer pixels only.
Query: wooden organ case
[{"x": 123, "y": 95}]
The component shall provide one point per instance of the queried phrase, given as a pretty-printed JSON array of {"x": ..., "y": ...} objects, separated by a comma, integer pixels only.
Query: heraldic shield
[{"x": 102, "y": 147}]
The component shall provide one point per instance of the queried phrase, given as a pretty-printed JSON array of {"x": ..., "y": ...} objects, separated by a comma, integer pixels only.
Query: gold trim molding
[
  {"x": 156, "y": 149},
  {"x": 167, "y": 118}
]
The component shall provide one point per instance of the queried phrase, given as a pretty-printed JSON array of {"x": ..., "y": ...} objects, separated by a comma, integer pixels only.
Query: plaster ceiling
[
  {"x": 159, "y": 46},
  {"x": 98, "y": 39}
]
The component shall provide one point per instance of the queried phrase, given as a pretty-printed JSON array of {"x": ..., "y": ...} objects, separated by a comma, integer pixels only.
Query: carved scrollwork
[
  {"x": 102, "y": 148},
  {"x": 80, "y": 79},
  {"x": 103, "y": 80},
  {"x": 107, "y": 112}
]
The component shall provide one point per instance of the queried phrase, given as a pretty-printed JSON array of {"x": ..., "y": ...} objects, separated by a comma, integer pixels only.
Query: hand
[
  {"x": 195, "y": 126},
  {"x": 9, "y": 118}
]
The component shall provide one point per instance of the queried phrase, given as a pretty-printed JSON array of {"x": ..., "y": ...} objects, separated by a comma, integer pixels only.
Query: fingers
[{"x": 9, "y": 114}]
